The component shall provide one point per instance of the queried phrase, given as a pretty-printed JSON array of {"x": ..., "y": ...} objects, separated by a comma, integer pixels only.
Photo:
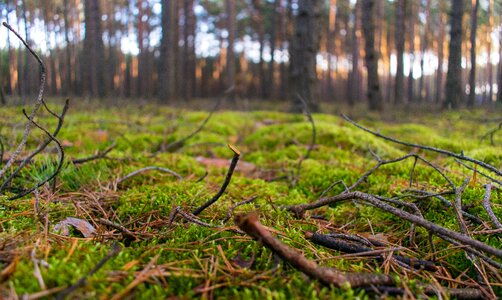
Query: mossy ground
[{"x": 187, "y": 260}]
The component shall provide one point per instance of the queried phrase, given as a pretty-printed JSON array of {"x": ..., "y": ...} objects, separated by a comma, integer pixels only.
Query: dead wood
[
  {"x": 36, "y": 106},
  {"x": 251, "y": 225},
  {"x": 99, "y": 155},
  {"x": 488, "y": 208},
  {"x": 228, "y": 177},
  {"x": 343, "y": 244},
  {"x": 149, "y": 168},
  {"x": 299, "y": 210},
  {"x": 428, "y": 148}
]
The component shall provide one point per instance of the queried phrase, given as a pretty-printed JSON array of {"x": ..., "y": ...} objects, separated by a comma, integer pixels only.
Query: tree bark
[
  {"x": 411, "y": 35},
  {"x": 399, "y": 39},
  {"x": 354, "y": 83},
  {"x": 472, "y": 73},
  {"x": 230, "y": 68},
  {"x": 424, "y": 44},
  {"x": 371, "y": 56},
  {"x": 94, "y": 50},
  {"x": 303, "y": 52},
  {"x": 168, "y": 47},
  {"x": 454, "y": 87}
]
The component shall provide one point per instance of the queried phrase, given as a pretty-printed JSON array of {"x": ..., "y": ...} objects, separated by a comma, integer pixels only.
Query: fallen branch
[
  {"x": 99, "y": 155},
  {"x": 59, "y": 164},
  {"x": 228, "y": 177},
  {"x": 488, "y": 208},
  {"x": 36, "y": 106},
  {"x": 429, "y": 148},
  {"x": 150, "y": 168},
  {"x": 42, "y": 147},
  {"x": 341, "y": 244},
  {"x": 234, "y": 206},
  {"x": 299, "y": 210},
  {"x": 252, "y": 226},
  {"x": 125, "y": 232},
  {"x": 83, "y": 280}
]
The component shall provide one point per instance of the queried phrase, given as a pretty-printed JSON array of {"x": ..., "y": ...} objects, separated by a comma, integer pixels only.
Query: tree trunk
[
  {"x": 371, "y": 56},
  {"x": 94, "y": 50},
  {"x": 330, "y": 47},
  {"x": 424, "y": 44},
  {"x": 230, "y": 14},
  {"x": 454, "y": 87},
  {"x": 303, "y": 52},
  {"x": 411, "y": 33},
  {"x": 488, "y": 38},
  {"x": 68, "y": 82},
  {"x": 440, "y": 42},
  {"x": 276, "y": 27},
  {"x": 472, "y": 73},
  {"x": 354, "y": 82},
  {"x": 189, "y": 82},
  {"x": 168, "y": 47},
  {"x": 399, "y": 39}
]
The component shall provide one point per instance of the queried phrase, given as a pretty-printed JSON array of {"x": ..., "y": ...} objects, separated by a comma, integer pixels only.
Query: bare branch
[
  {"x": 433, "y": 149},
  {"x": 488, "y": 208},
  {"x": 228, "y": 177},
  {"x": 99, "y": 155},
  {"x": 252, "y": 226},
  {"x": 36, "y": 106},
  {"x": 150, "y": 168}
]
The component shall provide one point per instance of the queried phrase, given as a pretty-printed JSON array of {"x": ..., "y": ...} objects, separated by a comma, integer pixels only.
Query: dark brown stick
[
  {"x": 434, "y": 228},
  {"x": 228, "y": 177},
  {"x": 252, "y": 226}
]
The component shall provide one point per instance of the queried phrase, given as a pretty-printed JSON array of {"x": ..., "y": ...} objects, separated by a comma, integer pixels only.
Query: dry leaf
[{"x": 82, "y": 226}]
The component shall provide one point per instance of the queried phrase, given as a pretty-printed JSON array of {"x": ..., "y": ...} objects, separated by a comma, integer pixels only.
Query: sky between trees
[{"x": 380, "y": 52}]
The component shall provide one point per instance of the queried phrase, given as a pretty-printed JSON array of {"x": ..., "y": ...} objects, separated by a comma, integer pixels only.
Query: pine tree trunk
[
  {"x": 399, "y": 39},
  {"x": 454, "y": 87},
  {"x": 472, "y": 73},
  {"x": 94, "y": 50},
  {"x": 303, "y": 52},
  {"x": 230, "y": 76},
  {"x": 371, "y": 56}
]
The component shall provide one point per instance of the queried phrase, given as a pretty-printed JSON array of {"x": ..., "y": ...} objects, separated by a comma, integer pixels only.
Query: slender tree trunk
[
  {"x": 472, "y": 73},
  {"x": 424, "y": 45},
  {"x": 303, "y": 52},
  {"x": 488, "y": 38},
  {"x": 440, "y": 51},
  {"x": 189, "y": 82},
  {"x": 272, "y": 93},
  {"x": 167, "y": 73},
  {"x": 411, "y": 32},
  {"x": 230, "y": 14},
  {"x": 354, "y": 82},
  {"x": 330, "y": 46},
  {"x": 499, "y": 69},
  {"x": 400, "y": 30},
  {"x": 371, "y": 57},
  {"x": 68, "y": 82},
  {"x": 454, "y": 87},
  {"x": 94, "y": 50}
]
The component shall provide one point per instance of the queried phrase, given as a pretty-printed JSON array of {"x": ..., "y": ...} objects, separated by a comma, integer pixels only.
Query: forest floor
[{"x": 95, "y": 233}]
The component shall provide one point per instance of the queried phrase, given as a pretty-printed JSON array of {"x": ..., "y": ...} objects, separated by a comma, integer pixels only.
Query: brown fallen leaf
[{"x": 82, "y": 226}]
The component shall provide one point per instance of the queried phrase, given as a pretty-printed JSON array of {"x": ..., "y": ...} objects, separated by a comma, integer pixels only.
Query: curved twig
[
  {"x": 150, "y": 168},
  {"x": 429, "y": 148},
  {"x": 42, "y": 147},
  {"x": 488, "y": 208},
  {"x": 58, "y": 168},
  {"x": 234, "y": 206},
  {"x": 434, "y": 228},
  {"x": 100, "y": 155},
  {"x": 228, "y": 177},
  {"x": 36, "y": 106},
  {"x": 251, "y": 225}
]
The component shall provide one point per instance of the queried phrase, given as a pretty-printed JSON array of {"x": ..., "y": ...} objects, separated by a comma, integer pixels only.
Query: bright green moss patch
[{"x": 186, "y": 260}]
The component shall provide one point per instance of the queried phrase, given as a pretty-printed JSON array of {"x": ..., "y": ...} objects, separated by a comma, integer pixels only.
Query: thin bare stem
[
  {"x": 252, "y": 226},
  {"x": 36, "y": 106},
  {"x": 488, "y": 208},
  {"x": 307, "y": 112},
  {"x": 99, "y": 155},
  {"x": 228, "y": 177},
  {"x": 434, "y": 228},
  {"x": 429, "y": 148},
  {"x": 149, "y": 168}
]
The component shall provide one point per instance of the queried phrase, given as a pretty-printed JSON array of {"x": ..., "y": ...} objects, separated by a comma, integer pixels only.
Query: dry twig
[
  {"x": 150, "y": 168},
  {"x": 228, "y": 177},
  {"x": 488, "y": 208},
  {"x": 252, "y": 226}
]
